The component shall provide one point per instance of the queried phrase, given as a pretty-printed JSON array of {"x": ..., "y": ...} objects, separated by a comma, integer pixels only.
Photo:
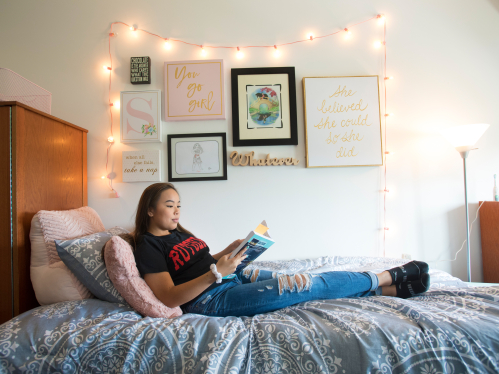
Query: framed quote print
[
  {"x": 140, "y": 116},
  {"x": 141, "y": 166},
  {"x": 342, "y": 121},
  {"x": 197, "y": 157},
  {"x": 264, "y": 106},
  {"x": 194, "y": 90}
]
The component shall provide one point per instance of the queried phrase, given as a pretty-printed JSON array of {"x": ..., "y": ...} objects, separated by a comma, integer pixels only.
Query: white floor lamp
[{"x": 463, "y": 138}]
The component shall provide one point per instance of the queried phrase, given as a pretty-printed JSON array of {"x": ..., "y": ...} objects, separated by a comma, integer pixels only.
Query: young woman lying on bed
[{"x": 180, "y": 270}]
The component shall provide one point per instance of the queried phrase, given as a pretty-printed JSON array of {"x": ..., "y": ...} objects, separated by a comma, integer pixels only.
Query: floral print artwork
[{"x": 149, "y": 129}]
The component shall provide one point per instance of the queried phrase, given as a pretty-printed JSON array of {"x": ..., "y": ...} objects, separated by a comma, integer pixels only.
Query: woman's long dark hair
[{"x": 148, "y": 200}]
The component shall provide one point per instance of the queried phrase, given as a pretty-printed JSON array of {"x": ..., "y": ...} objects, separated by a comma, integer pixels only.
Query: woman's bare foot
[
  {"x": 385, "y": 281},
  {"x": 384, "y": 278},
  {"x": 389, "y": 290}
]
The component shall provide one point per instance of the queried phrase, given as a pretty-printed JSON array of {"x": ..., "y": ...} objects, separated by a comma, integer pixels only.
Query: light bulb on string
[
  {"x": 277, "y": 53},
  {"x": 110, "y": 139},
  {"x": 103, "y": 177},
  {"x": 239, "y": 53},
  {"x": 377, "y": 44}
]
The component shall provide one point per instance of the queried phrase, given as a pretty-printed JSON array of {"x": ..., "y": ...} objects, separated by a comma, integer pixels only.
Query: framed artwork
[
  {"x": 264, "y": 106},
  {"x": 194, "y": 90},
  {"x": 141, "y": 166},
  {"x": 342, "y": 121},
  {"x": 197, "y": 157},
  {"x": 140, "y": 70},
  {"x": 140, "y": 116}
]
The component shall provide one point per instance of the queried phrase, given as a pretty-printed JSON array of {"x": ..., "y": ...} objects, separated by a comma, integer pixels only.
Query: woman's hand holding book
[{"x": 227, "y": 266}]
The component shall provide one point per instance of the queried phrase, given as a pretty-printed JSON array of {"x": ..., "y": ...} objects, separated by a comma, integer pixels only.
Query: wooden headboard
[{"x": 43, "y": 167}]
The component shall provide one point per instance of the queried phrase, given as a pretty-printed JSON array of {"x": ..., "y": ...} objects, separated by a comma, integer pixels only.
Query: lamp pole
[
  {"x": 464, "y": 138},
  {"x": 464, "y": 151},
  {"x": 465, "y": 155}
]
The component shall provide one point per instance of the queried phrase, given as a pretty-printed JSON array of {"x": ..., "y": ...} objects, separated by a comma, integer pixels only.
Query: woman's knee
[
  {"x": 257, "y": 275},
  {"x": 294, "y": 282},
  {"x": 287, "y": 282}
]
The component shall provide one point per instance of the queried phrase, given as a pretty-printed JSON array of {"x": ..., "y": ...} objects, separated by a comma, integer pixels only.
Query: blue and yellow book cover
[{"x": 257, "y": 242}]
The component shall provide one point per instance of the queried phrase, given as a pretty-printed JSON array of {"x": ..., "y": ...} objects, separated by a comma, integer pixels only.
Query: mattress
[{"x": 452, "y": 328}]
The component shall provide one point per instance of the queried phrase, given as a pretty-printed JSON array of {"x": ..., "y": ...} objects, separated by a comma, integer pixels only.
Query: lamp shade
[{"x": 464, "y": 135}]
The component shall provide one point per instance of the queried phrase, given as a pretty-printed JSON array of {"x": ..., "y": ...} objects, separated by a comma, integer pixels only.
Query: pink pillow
[
  {"x": 120, "y": 264},
  {"x": 52, "y": 281}
]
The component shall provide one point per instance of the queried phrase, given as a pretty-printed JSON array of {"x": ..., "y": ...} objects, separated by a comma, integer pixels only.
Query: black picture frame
[
  {"x": 238, "y": 105},
  {"x": 174, "y": 175},
  {"x": 140, "y": 70}
]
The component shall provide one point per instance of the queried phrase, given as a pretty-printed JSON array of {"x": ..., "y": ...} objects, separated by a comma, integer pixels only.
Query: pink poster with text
[{"x": 194, "y": 90}]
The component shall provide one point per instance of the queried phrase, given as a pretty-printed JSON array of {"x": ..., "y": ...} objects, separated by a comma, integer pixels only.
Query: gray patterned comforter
[{"x": 452, "y": 328}]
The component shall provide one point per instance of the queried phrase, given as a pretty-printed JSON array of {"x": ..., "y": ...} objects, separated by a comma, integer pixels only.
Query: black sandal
[
  {"x": 413, "y": 288},
  {"x": 412, "y": 271}
]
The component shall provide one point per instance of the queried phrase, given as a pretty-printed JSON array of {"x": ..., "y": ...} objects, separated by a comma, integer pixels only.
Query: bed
[{"x": 452, "y": 328}]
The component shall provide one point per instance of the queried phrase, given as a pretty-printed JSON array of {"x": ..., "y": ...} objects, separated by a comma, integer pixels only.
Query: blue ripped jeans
[{"x": 259, "y": 291}]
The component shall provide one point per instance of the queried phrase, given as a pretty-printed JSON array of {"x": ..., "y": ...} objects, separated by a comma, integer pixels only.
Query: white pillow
[{"x": 52, "y": 281}]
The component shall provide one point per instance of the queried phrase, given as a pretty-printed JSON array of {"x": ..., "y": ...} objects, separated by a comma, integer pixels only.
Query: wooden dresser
[
  {"x": 43, "y": 167},
  {"x": 489, "y": 227}
]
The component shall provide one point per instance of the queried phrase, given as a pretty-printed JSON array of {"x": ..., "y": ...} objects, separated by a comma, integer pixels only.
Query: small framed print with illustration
[
  {"x": 140, "y": 116},
  {"x": 197, "y": 157},
  {"x": 264, "y": 106}
]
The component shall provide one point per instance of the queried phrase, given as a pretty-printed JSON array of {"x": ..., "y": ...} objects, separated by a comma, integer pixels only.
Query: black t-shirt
[{"x": 182, "y": 255}]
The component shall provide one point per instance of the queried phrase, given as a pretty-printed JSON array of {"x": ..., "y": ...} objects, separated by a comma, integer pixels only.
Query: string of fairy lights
[{"x": 168, "y": 44}]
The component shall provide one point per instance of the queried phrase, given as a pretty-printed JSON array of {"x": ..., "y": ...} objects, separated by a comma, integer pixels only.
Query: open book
[{"x": 257, "y": 242}]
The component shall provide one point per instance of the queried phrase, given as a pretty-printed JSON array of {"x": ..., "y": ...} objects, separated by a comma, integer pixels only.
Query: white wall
[{"x": 443, "y": 53}]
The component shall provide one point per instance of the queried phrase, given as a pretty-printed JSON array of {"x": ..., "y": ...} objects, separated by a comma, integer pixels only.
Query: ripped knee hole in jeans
[{"x": 287, "y": 282}]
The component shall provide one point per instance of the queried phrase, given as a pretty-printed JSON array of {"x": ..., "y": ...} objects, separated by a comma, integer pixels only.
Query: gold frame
[{"x": 305, "y": 117}]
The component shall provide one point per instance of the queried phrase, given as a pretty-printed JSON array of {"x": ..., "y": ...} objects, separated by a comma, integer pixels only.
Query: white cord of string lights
[{"x": 471, "y": 228}]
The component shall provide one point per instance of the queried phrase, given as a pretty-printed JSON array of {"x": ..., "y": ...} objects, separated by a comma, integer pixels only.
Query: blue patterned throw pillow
[{"x": 83, "y": 256}]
